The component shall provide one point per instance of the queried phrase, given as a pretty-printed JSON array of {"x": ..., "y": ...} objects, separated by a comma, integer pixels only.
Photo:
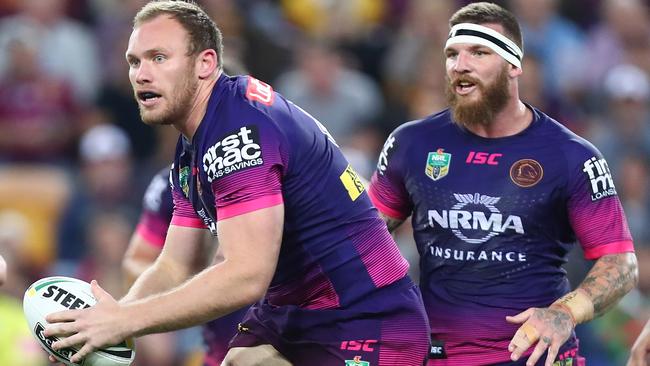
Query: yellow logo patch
[{"x": 352, "y": 183}]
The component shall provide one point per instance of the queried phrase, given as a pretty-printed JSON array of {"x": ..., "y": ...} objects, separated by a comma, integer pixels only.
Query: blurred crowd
[{"x": 75, "y": 158}]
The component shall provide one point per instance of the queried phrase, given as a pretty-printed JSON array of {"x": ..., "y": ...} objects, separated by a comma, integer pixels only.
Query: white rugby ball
[{"x": 52, "y": 294}]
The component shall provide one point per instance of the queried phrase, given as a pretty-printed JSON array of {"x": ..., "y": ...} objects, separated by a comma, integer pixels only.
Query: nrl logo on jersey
[
  {"x": 469, "y": 221},
  {"x": 237, "y": 151},
  {"x": 602, "y": 184},
  {"x": 437, "y": 164},
  {"x": 356, "y": 362},
  {"x": 183, "y": 177}
]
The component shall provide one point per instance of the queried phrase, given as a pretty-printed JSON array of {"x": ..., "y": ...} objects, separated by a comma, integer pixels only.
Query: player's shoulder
[
  {"x": 252, "y": 94},
  {"x": 163, "y": 174},
  {"x": 238, "y": 104},
  {"x": 561, "y": 136},
  {"x": 158, "y": 190},
  {"x": 244, "y": 99},
  {"x": 437, "y": 122}
]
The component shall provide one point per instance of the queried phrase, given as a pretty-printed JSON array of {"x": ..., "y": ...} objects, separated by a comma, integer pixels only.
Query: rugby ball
[{"x": 52, "y": 294}]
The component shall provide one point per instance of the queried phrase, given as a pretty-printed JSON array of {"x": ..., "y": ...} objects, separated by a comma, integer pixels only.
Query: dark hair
[
  {"x": 483, "y": 13},
  {"x": 204, "y": 33}
]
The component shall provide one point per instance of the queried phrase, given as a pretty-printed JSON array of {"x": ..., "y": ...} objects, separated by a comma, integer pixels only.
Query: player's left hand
[
  {"x": 93, "y": 328},
  {"x": 550, "y": 326}
]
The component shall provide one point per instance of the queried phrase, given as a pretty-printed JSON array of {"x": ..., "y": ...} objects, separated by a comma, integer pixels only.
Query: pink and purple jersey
[
  {"x": 493, "y": 220},
  {"x": 254, "y": 149}
]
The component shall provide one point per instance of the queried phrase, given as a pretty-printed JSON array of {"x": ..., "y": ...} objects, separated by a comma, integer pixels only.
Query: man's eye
[{"x": 159, "y": 58}]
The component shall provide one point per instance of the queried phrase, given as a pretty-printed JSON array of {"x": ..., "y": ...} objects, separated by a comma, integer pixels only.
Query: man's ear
[
  {"x": 514, "y": 71},
  {"x": 206, "y": 63}
]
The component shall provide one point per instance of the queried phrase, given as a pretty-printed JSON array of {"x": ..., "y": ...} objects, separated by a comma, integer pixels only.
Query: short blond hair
[{"x": 203, "y": 32}]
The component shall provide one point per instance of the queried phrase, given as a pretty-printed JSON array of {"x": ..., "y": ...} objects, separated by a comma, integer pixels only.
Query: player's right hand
[{"x": 548, "y": 327}]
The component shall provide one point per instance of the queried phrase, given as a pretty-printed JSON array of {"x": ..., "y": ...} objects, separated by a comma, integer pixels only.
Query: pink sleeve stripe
[
  {"x": 187, "y": 222},
  {"x": 249, "y": 206},
  {"x": 153, "y": 238},
  {"x": 612, "y": 248},
  {"x": 383, "y": 208}
]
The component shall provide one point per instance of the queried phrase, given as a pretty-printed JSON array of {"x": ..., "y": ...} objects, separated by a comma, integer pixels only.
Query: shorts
[
  {"x": 567, "y": 356},
  {"x": 387, "y": 328},
  {"x": 217, "y": 334}
]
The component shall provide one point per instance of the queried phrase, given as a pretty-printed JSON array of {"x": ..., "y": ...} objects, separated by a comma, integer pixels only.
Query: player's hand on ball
[
  {"x": 549, "y": 327},
  {"x": 92, "y": 328},
  {"x": 55, "y": 361}
]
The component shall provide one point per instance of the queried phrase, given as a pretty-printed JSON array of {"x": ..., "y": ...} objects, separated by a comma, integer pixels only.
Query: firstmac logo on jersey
[
  {"x": 236, "y": 151},
  {"x": 602, "y": 184}
]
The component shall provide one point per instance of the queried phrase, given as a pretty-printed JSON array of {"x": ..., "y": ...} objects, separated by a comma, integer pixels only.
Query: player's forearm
[
  {"x": 159, "y": 277},
  {"x": 132, "y": 268},
  {"x": 216, "y": 291},
  {"x": 140, "y": 255},
  {"x": 609, "y": 280},
  {"x": 391, "y": 223}
]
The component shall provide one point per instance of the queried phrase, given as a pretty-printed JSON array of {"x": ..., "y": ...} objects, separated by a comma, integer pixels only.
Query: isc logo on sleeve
[{"x": 236, "y": 151}]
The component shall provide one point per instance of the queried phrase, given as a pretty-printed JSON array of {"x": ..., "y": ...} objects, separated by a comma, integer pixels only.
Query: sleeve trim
[
  {"x": 237, "y": 209},
  {"x": 616, "y": 247},
  {"x": 187, "y": 222},
  {"x": 383, "y": 208}
]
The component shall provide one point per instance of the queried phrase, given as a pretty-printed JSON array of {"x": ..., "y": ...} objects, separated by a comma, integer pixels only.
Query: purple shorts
[
  {"x": 217, "y": 334},
  {"x": 387, "y": 328},
  {"x": 567, "y": 356}
]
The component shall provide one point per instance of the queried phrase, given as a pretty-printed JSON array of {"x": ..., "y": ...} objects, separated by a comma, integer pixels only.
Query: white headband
[{"x": 478, "y": 34}]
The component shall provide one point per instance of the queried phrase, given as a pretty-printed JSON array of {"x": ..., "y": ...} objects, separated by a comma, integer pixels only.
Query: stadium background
[{"x": 75, "y": 158}]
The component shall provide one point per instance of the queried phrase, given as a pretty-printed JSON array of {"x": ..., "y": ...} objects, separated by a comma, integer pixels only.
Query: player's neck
[
  {"x": 512, "y": 119},
  {"x": 190, "y": 124}
]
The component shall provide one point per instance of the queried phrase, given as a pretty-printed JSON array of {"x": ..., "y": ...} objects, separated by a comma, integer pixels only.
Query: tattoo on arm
[
  {"x": 610, "y": 279},
  {"x": 391, "y": 222}
]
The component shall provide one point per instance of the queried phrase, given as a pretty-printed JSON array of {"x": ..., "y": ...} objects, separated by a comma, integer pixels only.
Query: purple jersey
[
  {"x": 157, "y": 209},
  {"x": 494, "y": 219},
  {"x": 254, "y": 149}
]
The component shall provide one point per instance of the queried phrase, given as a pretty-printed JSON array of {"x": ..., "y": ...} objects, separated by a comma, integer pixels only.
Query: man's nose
[
  {"x": 461, "y": 64},
  {"x": 143, "y": 74}
]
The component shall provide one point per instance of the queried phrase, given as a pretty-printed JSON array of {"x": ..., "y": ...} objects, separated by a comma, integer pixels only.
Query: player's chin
[{"x": 153, "y": 118}]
